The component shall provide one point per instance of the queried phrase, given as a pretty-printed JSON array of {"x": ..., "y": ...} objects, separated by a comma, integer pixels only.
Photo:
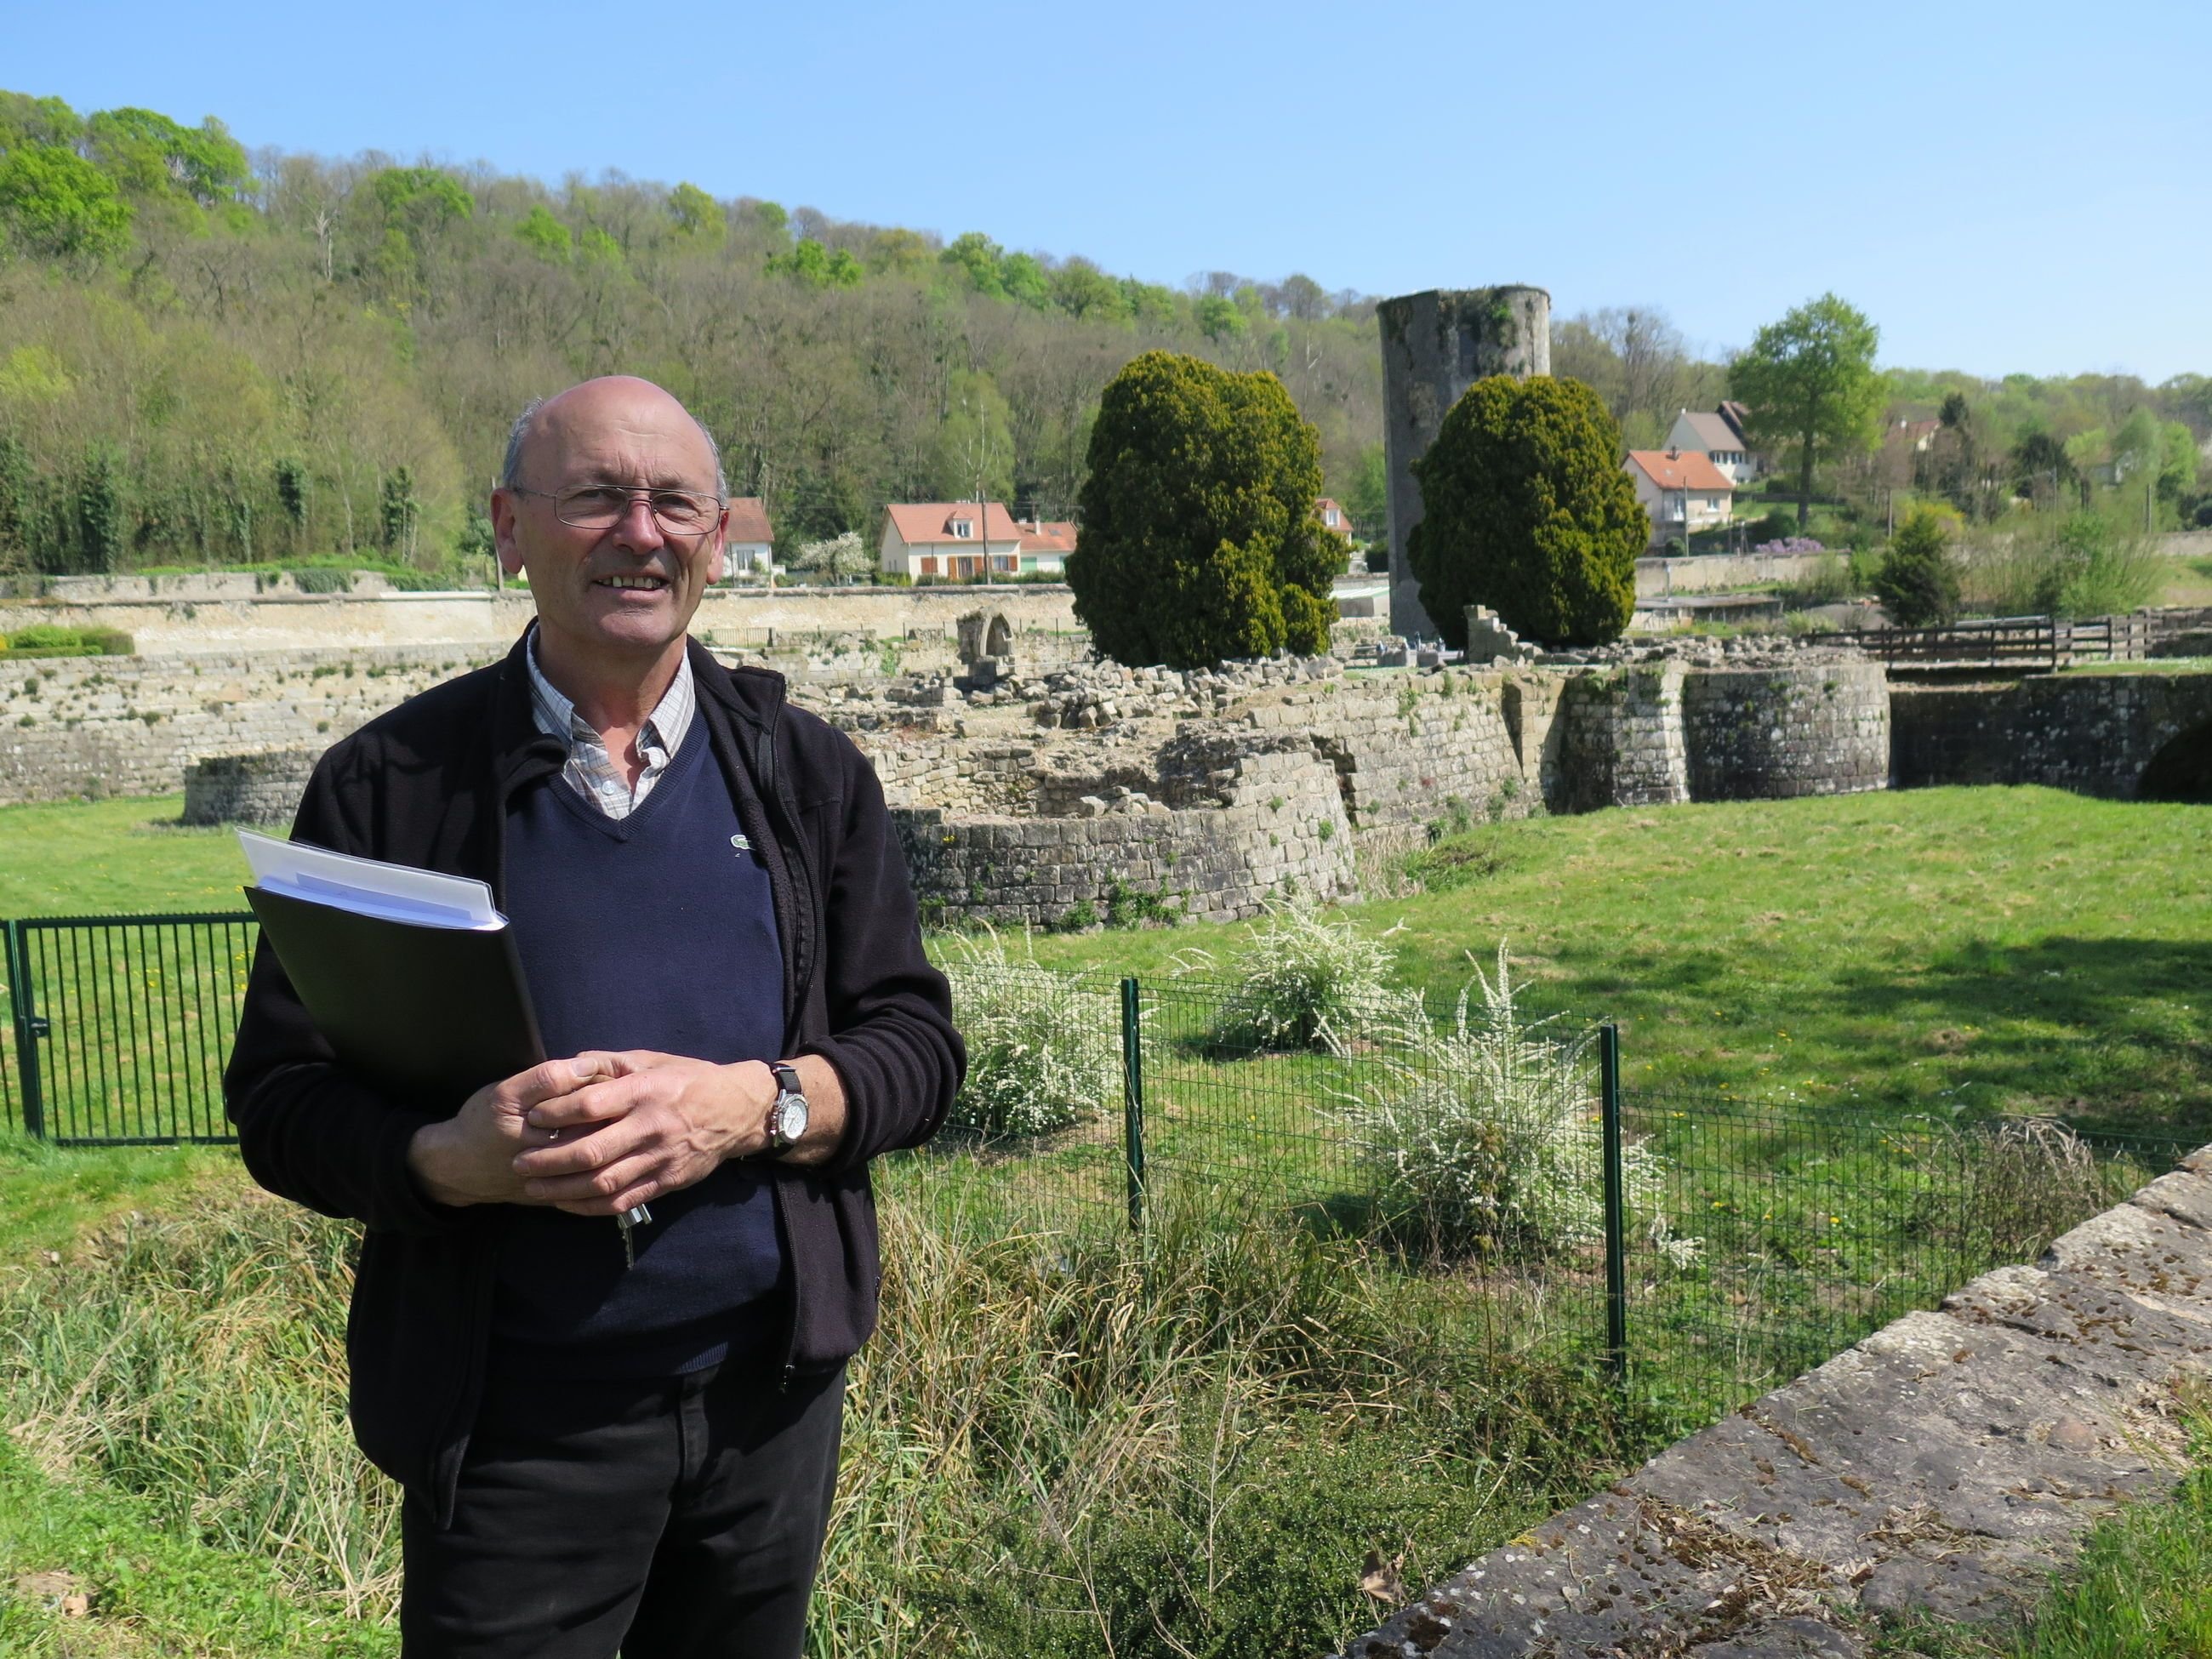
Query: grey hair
[{"x": 510, "y": 470}]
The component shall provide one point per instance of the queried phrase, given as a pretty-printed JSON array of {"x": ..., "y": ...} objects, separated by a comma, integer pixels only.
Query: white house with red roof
[
  {"x": 1046, "y": 543},
  {"x": 1681, "y": 490},
  {"x": 951, "y": 541},
  {"x": 748, "y": 543},
  {"x": 1718, "y": 435}
]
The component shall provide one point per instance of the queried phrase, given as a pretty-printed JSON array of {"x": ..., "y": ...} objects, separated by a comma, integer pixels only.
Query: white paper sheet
[{"x": 368, "y": 887}]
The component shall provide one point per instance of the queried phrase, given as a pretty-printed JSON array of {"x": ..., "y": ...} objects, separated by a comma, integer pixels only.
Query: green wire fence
[{"x": 1702, "y": 1248}]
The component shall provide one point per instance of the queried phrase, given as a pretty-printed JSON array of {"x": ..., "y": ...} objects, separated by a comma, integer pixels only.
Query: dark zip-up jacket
[{"x": 428, "y": 784}]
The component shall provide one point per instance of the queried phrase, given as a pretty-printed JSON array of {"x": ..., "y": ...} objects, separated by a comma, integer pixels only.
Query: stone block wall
[
  {"x": 1768, "y": 735},
  {"x": 1278, "y": 831},
  {"x": 225, "y": 614},
  {"x": 130, "y": 725},
  {"x": 1620, "y": 741},
  {"x": 2095, "y": 733},
  {"x": 1407, "y": 747},
  {"x": 261, "y": 789}
]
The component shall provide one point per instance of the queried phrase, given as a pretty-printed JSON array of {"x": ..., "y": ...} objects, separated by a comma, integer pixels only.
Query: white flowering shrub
[
  {"x": 1304, "y": 979},
  {"x": 1043, "y": 1047},
  {"x": 1484, "y": 1134}
]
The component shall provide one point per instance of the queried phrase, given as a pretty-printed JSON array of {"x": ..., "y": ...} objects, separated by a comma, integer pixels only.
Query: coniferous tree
[
  {"x": 1918, "y": 584},
  {"x": 1525, "y": 509},
  {"x": 1200, "y": 540}
]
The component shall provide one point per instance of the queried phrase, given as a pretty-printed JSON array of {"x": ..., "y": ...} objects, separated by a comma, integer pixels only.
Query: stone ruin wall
[
  {"x": 1096, "y": 768},
  {"x": 223, "y": 614},
  {"x": 1269, "y": 795},
  {"x": 1239, "y": 818},
  {"x": 130, "y": 725},
  {"x": 2092, "y": 733}
]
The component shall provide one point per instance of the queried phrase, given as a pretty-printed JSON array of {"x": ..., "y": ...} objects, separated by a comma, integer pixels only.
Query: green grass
[
  {"x": 2189, "y": 582},
  {"x": 147, "y": 1589},
  {"x": 114, "y": 857},
  {"x": 1057, "y": 1446},
  {"x": 1971, "y": 949},
  {"x": 1985, "y": 948},
  {"x": 50, "y": 1198},
  {"x": 2152, "y": 666},
  {"x": 1066, "y": 1436}
]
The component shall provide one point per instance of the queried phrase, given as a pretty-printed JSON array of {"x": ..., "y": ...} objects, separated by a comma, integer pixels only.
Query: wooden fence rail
[{"x": 2030, "y": 643}]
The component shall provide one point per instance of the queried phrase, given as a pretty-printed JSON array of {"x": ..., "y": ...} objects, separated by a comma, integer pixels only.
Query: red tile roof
[
  {"x": 1048, "y": 536},
  {"x": 929, "y": 524},
  {"x": 748, "y": 521},
  {"x": 1684, "y": 470},
  {"x": 1343, "y": 525}
]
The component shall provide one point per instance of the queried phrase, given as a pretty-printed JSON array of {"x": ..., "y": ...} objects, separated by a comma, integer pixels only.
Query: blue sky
[{"x": 2002, "y": 187}]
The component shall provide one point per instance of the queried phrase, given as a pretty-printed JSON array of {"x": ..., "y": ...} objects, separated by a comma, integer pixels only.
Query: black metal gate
[{"x": 122, "y": 1024}]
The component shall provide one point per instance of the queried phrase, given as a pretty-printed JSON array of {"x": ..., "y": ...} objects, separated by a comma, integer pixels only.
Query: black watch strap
[{"x": 786, "y": 1079}]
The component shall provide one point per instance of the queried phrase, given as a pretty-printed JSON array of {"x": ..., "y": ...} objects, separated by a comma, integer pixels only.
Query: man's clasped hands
[{"x": 596, "y": 1134}]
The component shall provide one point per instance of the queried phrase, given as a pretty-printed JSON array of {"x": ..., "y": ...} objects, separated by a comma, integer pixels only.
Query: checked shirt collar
[{"x": 591, "y": 770}]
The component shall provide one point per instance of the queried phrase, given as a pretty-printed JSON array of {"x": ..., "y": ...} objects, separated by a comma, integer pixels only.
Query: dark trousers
[{"x": 666, "y": 1520}]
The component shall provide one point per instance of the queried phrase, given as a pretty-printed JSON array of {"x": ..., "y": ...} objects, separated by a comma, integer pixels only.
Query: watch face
[{"x": 790, "y": 1117}]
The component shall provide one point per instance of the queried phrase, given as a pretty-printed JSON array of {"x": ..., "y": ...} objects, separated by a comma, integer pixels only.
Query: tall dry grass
[{"x": 1181, "y": 1444}]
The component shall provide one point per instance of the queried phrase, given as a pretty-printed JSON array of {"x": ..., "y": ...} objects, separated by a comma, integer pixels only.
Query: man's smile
[{"x": 641, "y": 580}]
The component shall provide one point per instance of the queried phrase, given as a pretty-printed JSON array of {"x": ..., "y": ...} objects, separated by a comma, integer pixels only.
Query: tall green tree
[
  {"x": 149, "y": 154},
  {"x": 54, "y": 202},
  {"x": 1199, "y": 542},
  {"x": 1918, "y": 581},
  {"x": 697, "y": 214},
  {"x": 27, "y": 120},
  {"x": 1813, "y": 390},
  {"x": 100, "y": 511},
  {"x": 1525, "y": 509}
]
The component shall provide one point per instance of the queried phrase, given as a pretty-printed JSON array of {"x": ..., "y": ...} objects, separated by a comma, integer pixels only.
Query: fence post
[
  {"x": 1616, "y": 1205},
  {"x": 1133, "y": 1099},
  {"x": 18, "y": 959}
]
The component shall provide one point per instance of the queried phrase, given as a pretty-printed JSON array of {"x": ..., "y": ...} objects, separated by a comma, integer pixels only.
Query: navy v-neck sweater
[{"x": 653, "y": 931}]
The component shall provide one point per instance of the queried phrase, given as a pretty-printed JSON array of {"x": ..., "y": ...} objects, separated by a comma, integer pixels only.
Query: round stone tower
[{"x": 1435, "y": 345}]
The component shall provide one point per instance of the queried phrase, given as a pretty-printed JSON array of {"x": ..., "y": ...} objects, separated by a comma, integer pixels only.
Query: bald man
[{"x": 616, "y": 1439}]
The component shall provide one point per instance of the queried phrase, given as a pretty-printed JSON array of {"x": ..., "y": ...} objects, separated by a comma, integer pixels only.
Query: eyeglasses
[{"x": 601, "y": 506}]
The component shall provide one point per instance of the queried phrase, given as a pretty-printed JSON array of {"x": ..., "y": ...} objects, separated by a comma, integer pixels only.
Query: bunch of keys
[{"x": 630, "y": 1221}]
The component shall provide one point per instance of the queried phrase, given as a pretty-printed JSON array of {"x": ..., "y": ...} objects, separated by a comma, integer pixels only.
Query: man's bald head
[{"x": 605, "y": 397}]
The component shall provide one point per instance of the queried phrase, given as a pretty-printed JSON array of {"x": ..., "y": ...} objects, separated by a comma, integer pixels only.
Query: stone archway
[
  {"x": 999, "y": 637},
  {"x": 2182, "y": 770}
]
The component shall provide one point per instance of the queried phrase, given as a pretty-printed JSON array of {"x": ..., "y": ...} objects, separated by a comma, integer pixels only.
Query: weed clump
[
  {"x": 1302, "y": 980},
  {"x": 1043, "y": 1050},
  {"x": 1483, "y": 1135}
]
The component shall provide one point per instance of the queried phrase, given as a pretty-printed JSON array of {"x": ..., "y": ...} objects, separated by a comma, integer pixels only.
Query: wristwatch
[{"x": 787, "y": 1119}]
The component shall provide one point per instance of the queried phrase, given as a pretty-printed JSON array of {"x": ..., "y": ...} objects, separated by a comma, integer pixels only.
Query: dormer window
[{"x": 964, "y": 529}]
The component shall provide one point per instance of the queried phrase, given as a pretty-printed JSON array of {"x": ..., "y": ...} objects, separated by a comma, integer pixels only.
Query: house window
[
  {"x": 964, "y": 528},
  {"x": 928, "y": 566},
  {"x": 1002, "y": 560}
]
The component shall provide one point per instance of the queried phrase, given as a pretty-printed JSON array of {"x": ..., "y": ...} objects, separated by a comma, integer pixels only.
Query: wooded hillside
[{"x": 209, "y": 357}]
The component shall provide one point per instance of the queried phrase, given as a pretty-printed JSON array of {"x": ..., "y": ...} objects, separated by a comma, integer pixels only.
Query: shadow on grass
[{"x": 2115, "y": 1034}]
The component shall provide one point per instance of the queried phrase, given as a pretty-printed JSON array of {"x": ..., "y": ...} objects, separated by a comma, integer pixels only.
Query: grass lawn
[
  {"x": 2152, "y": 665},
  {"x": 2188, "y": 583},
  {"x": 1976, "y": 949},
  {"x": 1985, "y": 948},
  {"x": 52, "y": 1197},
  {"x": 114, "y": 857},
  {"x": 89, "y": 1572}
]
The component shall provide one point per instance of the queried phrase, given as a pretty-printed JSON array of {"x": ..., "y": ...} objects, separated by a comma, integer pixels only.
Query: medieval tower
[{"x": 1435, "y": 345}]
